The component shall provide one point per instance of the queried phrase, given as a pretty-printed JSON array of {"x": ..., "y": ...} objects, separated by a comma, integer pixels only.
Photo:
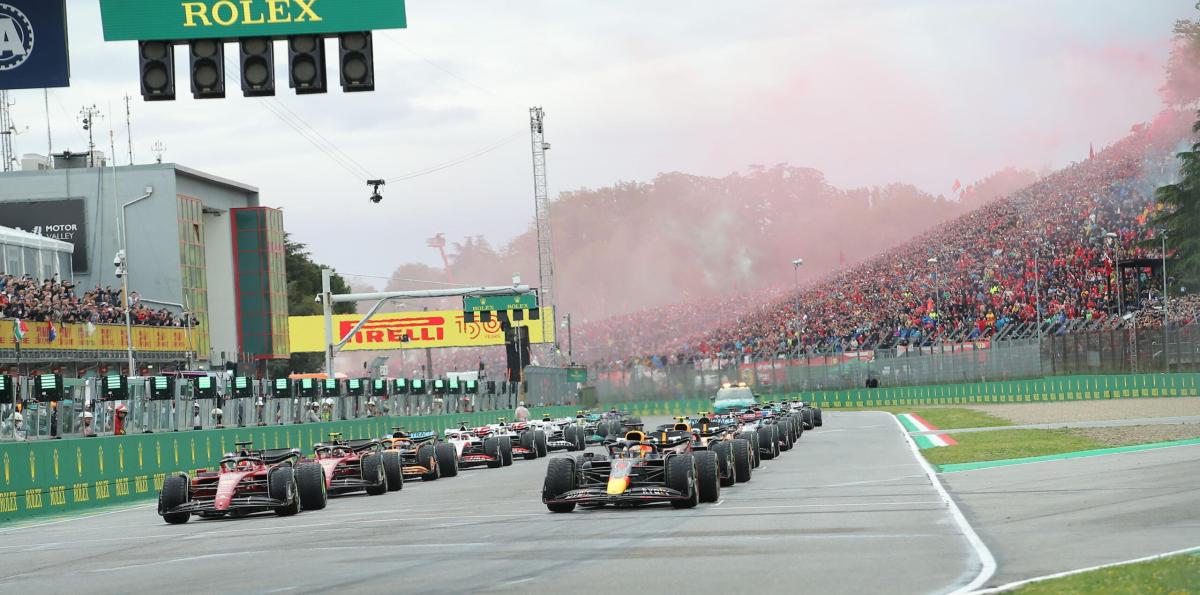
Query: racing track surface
[
  {"x": 1056, "y": 516},
  {"x": 849, "y": 510}
]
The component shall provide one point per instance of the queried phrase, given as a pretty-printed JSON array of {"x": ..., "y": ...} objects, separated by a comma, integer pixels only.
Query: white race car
[{"x": 477, "y": 446}]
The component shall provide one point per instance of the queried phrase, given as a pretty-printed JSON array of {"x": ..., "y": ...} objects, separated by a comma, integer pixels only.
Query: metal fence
[
  {"x": 1121, "y": 351},
  {"x": 83, "y": 412}
]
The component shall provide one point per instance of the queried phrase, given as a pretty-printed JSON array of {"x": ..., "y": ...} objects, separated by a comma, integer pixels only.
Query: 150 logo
[{"x": 16, "y": 37}]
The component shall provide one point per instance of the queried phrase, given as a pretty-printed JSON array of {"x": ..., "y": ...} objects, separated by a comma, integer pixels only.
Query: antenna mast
[
  {"x": 88, "y": 116},
  {"x": 7, "y": 130},
  {"x": 128, "y": 129},
  {"x": 541, "y": 197}
]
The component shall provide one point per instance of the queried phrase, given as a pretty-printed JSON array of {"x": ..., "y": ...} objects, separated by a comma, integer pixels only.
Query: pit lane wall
[
  {"x": 49, "y": 477},
  {"x": 1056, "y": 388}
]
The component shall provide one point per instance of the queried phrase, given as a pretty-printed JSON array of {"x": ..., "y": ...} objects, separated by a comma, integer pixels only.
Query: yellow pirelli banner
[
  {"x": 100, "y": 337},
  {"x": 424, "y": 330}
]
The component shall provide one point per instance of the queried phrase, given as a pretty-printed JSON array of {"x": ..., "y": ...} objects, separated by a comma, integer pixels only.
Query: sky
[{"x": 869, "y": 92}]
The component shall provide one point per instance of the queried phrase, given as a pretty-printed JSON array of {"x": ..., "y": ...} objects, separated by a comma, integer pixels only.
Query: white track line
[
  {"x": 1037, "y": 579},
  {"x": 987, "y": 561},
  {"x": 69, "y": 519}
]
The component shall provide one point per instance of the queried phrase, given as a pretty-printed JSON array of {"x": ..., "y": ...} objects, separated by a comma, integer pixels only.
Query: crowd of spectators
[
  {"x": 1046, "y": 253},
  {"x": 59, "y": 301}
]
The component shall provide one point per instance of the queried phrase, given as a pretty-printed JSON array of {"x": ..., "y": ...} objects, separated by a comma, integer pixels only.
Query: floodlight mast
[{"x": 328, "y": 298}]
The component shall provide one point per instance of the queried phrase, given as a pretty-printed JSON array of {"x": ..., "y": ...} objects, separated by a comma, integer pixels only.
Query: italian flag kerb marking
[{"x": 915, "y": 423}]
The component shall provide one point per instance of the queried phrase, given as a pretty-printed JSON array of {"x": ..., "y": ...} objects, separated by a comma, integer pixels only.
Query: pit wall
[{"x": 49, "y": 477}]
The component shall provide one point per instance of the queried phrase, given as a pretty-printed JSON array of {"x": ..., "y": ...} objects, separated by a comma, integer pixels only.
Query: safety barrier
[
  {"x": 1057, "y": 388},
  {"x": 58, "y": 476}
]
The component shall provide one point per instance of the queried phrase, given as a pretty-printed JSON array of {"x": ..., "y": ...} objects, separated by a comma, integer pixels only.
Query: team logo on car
[{"x": 16, "y": 37}]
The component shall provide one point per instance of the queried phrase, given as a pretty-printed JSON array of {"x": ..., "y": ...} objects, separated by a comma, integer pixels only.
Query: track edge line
[
  {"x": 986, "y": 559},
  {"x": 1046, "y": 577}
]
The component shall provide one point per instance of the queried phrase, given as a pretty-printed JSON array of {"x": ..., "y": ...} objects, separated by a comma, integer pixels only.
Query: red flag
[{"x": 956, "y": 185}]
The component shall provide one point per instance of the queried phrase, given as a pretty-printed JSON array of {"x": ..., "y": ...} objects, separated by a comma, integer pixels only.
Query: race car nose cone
[{"x": 617, "y": 485}]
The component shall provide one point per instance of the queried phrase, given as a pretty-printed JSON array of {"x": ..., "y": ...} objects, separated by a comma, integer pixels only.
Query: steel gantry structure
[{"x": 541, "y": 196}]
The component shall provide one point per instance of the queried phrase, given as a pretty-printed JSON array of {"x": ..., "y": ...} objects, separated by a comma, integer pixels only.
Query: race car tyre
[
  {"x": 560, "y": 479},
  {"x": 491, "y": 448},
  {"x": 174, "y": 493},
  {"x": 775, "y": 442},
  {"x": 767, "y": 442},
  {"x": 427, "y": 458},
  {"x": 743, "y": 460},
  {"x": 799, "y": 421},
  {"x": 569, "y": 435},
  {"x": 603, "y": 428},
  {"x": 310, "y": 483},
  {"x": 817, "y": 417},
  {"x": 447, "y": 459},
  {"x": 708, "y": 475},
  {"x": 506, "y": 453},
  {"x": 751, "y": 438},
  {"x": 681, "y": 476},
  {"x": 785, "y": 436},
  {"x": 393, "y": 468},
  {"x": 528, "y": 444},
  {"x": 539, "y": 440},
  {"x": 372, "y": 471},
  {"x": 281, "y": 485},
  {"x": 724, "y": 451},
  {"x": 795, "y": 426},
  {"x": 633, "y": 421},
  {"x": 809, "y": 419}
]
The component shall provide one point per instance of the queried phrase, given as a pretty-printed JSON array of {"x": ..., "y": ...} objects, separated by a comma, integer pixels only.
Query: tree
[
  {"x": 1180, "y": 216},
  {"x": 304, "y": 283},
  {"x": 1183, "y": 65}
]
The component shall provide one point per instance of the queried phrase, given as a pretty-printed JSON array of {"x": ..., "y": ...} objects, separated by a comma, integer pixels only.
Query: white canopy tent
[{"x": 24, "y": 253}]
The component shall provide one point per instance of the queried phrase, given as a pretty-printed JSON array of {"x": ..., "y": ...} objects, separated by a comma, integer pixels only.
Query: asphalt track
[
  {"x": 850, "y": 510},
  {"x": 1056, "y": 516}
]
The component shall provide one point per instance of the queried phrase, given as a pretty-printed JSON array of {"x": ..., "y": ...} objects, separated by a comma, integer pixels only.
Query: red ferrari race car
[
  {"x": 247, "y": 481},
  {"x": 637, "y": 471},
  {"x": 355, "y": 465}
]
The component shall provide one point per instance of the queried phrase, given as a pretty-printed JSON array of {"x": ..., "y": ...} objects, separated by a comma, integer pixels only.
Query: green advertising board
[
  {"x": 527, "y": 301},
  {"x": 577, "y": 374},
  {"x": 181, "y": 20}
]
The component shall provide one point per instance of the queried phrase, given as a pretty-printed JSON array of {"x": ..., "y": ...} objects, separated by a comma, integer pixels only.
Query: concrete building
[{"x": 192, "y": 238}]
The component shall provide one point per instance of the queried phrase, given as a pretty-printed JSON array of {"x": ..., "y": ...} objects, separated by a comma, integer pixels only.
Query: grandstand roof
[{"x": 17, "y": 237}]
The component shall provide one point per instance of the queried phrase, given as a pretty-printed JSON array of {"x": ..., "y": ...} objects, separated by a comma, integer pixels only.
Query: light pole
[
  {"x": 796, "y": 287},
  {"x": 570, "y": 344},
  {"x": 1110, "y": 239},
  {"x": 122, "y": 264},
  {"x": 1166, "y": 316}
]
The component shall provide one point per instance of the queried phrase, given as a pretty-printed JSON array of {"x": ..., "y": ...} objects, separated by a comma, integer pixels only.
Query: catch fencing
[{"x": 1121, "y": 351}]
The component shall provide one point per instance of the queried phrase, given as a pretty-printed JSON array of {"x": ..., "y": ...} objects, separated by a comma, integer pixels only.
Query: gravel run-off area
[
  {"x": 1126, "y": 435},
  {"x": 1113, "y": 409}
]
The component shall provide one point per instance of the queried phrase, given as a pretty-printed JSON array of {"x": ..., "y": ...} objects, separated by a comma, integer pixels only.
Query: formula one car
[
  {"x": 421, "y": 455},
  {"x": 637, "y": 471},
  {"x": 585, "y": 430},
  {"x": 354, "y": 465},
  {"x": 735, "y": 461},
  {"x": 477, "y": 446},
  {"x": 246, "y": 481},
  {"x": 527, "y": 442},
  {"x": 556, "y": 431}
]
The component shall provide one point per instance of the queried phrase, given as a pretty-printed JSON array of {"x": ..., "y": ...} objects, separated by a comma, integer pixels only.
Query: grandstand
[{"x": 1039, "y": 261}]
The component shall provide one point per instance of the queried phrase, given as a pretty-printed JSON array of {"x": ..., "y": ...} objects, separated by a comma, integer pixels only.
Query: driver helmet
[{"x": 638, "y": 451}]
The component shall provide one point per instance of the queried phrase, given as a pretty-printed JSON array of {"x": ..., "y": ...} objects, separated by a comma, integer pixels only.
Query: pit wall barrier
[
  {"x": 1056, "y": 388},
  {"x": 74, "y": 475}
]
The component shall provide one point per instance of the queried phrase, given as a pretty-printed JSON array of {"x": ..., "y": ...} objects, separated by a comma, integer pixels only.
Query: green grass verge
[
  {"x": 946, "y": 418},
  {"x": 952, "y": 417},
  {"x": 995, "y": 445},
  {"x": 1177, "y": 574}
]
